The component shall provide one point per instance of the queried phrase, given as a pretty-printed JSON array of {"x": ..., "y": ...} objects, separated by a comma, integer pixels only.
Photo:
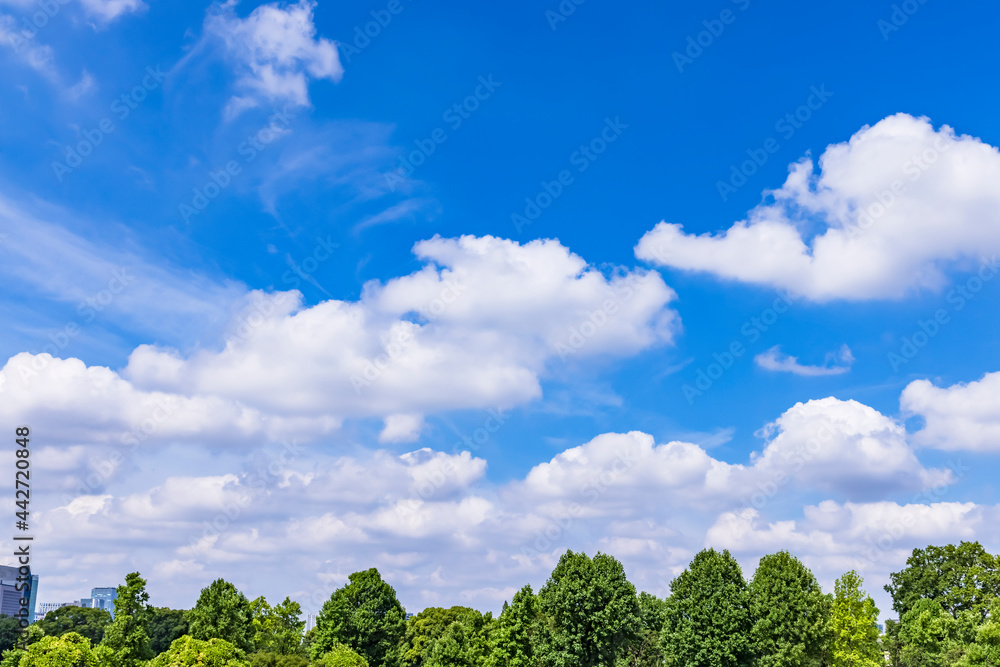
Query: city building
[
  {"x": 101, "y": 598},
  {"x": 10, "y": 597},
  {"x": 46, "y": 607}
]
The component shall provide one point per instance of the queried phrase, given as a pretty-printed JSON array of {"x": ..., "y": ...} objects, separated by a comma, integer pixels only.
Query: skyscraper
[
  {"x": 10, "y": 597},
  {"x": 101, "y": 598}
]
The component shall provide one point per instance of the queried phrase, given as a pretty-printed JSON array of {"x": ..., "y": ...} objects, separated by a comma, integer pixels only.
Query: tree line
[{"x": 586, "y": 615}]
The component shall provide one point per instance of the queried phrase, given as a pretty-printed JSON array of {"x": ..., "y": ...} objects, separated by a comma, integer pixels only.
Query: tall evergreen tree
[
  {"x": 591, "y": 612},
  {"x": 854, "y": 623},
  {"x": 366, "y": 616},
  {"x": 791, "y": 616},
  {"x": 706, "y": 620},
  {"x": 128, "y": 634}
]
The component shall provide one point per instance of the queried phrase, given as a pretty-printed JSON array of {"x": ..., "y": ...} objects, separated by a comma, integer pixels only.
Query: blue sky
[{"x": 271, "y": 176}]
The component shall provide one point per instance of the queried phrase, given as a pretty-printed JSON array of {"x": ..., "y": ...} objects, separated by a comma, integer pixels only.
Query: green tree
[
  {"x": 340, "y": 655},
  {"x": 930, "y": 636},
  {"x": 89, "y": 623},
  {"x": 190, "y": 652},
  {"x": 645, "y": 651},
  {"x": 277, "y": 629},
  {"x": 458, "y": 646},
  {"x": 985, "y": 651},
  {"x": 512, "y": 642},
  {"x": 707, "y": 619},
  {"x": 69, "y": 650},
  {"x": 165, "y": 626},
  {"x": 12, "y": 658},
  {"x": 277, "y": 660},
  {"x": 591, "y": 612},
  {"x": 9, "y": 633},
  {"x": 854, "y": 623},
  {"x": 962, "y": 578},
  {"x": 364, "y": 615},
  {"x": 427, "y": 627},
  {"x": 223, "y": 612},
  {"x": 128, "y": 635},
  {"x": 791, "y": 616}
]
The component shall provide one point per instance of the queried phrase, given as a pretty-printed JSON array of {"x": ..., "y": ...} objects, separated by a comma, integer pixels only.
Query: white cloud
[
  {"x": 39, "y": 57},
  {"x": 276, "y": 51},
  {"x": 776, "y": 360},
  {"x": 889, "y": 213},
  {"x": 844, "y": 446},
  {"x": 475, "y": 328},
  {"x": 107, "y": 11},
  {"x": 402, "y": 428},
  {"x": 431, "y": 516},
  {"x": 964, "y": 416}
]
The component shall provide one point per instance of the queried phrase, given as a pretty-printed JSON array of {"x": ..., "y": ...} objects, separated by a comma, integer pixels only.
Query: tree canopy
[
  {"x": 591, "y": 612},
  {"x": 365, "y": 616},
  {"x": 707, "y": 620},
  {"x": 854, "y": 625},
  {"x": 190, "y": 652},
  {"x": 791, "y": 616},
  {"x": 89, "y": 623},
  {"x": 959, "y": 578},
  {"x": 128, "y": 635},
  {"x": 223, "y": 612}
]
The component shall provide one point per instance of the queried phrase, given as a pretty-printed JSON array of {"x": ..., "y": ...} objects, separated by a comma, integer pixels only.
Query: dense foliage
[
  {"x": 365, "y": 616},
  {"x": 587, "y": 614},
  {"x": 89, "y": 623}
]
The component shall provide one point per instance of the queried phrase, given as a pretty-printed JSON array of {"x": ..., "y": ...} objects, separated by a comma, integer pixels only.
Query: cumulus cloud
[
  {"x": 402, "y": 428},
  {"x": 428, "y": 516},
  {"x": 964, "y": 416},
  {"x": 845, "y": 446},
  {"x": 276, "y": 52},
  {"x": 888, "y": 213},
  {"x": 837, "y": 363},
  {"x": 475, "y": 328}
]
